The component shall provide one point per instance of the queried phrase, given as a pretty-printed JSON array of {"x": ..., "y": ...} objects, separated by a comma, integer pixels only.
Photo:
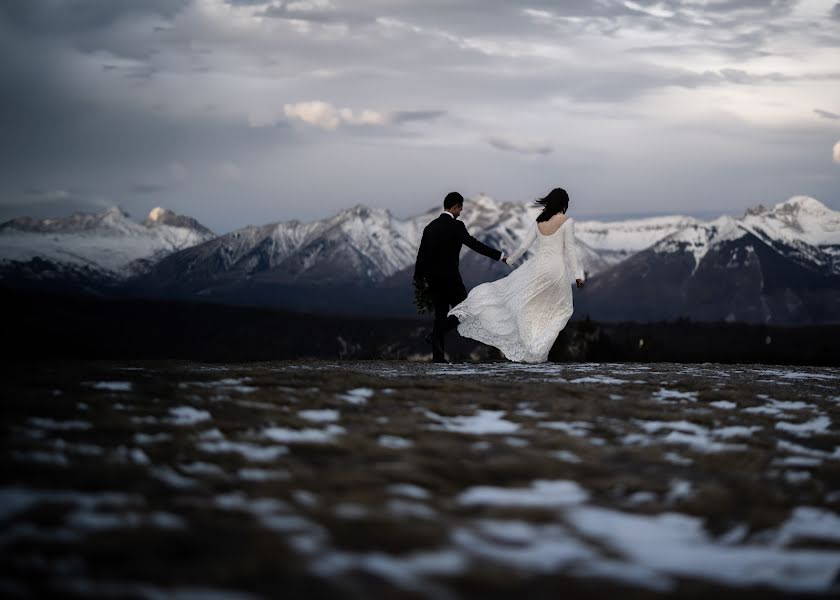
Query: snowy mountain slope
[
  {"x": 801, "y": 229},
  {"x": 614, "y": 241},
  {"x": 600, "y": 244},
  {"x": 109, "y": 243},
  {"x": 359, "y": 244},
  {"x": 774, "y": 265},
  {"x": 366, "y": 256}
]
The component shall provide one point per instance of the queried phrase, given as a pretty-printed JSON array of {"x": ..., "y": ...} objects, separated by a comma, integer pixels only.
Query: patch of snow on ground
[
  {"x": 679, "y": 490},
  {"x": 482, "y": 423},
  {"x": 806, "y": 523},
  {"x": 735, "y": 431},
  {"x": 797, "y": 477},
  {"x": 665, "y": 395},
  {"x": 599, "y": 379},
  {"x": 405, "y": 571},
  {"x": 777, "y": 407},
  {"x": 684, "y": 432},
  {"x": 319, "y": 416},
  {"x": 541, "y": 493},
  {"x": 187, "y": 415},
  {"x": 112, "y": 386},
  {"x": 151, "y": 438},
  {"x": 806, "y": 429},
  {"x": 303, "y": 436},
  {"x": 262, "y": 474},
  {"x": 797, "y": 449},
  {"x": 676, "y": 459},
  {"x": 394, "y": 442},
  {"x": 357, "y": 396},
  {"x": 252, "y": 452},
  {"x": 566, "y": 456},
  {"x": 97, "y": 521},
  {"x": 575, "y": 428},
  {"x": 16, "y": 499},
  {"x": 678, "y": 545},
  {"x": 724, "y": 404},
  {"x": 533, "y": 547},
  {"x": 797, "y": 375},
  {"x": 172, "y": 478}
]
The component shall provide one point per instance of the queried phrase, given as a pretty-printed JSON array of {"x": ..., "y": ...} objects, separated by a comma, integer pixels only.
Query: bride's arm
[
  {"x": 571, "y": 251},
  {"x": 523, "y": 247}
]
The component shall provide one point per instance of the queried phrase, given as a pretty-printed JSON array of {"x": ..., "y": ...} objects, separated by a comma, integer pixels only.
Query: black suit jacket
[{"x": 440, "y": 251}]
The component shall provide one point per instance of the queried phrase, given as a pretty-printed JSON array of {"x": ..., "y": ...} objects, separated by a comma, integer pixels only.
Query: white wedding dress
[{"x": 522, "y": 313}]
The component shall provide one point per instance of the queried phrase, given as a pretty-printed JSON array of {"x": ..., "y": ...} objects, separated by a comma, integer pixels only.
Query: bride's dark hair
[{"x": 557, "y": 201}]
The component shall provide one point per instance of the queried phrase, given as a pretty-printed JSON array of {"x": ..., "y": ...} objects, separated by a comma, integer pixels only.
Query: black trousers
[{"x": 445, "y": 295}]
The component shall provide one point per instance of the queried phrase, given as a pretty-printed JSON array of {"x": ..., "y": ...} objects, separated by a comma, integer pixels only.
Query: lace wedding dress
[{"x": 522, "y": 313}]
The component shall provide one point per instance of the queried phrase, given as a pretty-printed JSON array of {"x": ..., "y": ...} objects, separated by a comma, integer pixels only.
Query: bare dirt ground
[{"x": 405, "y": 480}]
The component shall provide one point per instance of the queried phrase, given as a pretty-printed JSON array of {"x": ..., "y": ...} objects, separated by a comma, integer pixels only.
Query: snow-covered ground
[{"x": 370, "y": 479}]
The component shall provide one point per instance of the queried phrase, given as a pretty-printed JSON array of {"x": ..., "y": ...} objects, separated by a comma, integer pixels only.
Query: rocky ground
[{"x": 403, "y": 480}]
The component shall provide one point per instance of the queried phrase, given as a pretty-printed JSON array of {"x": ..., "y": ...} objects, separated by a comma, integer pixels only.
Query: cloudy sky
[{"x": 247, "y": 111}]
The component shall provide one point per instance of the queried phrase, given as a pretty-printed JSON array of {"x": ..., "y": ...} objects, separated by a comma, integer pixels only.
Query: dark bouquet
[{"x": 423, "y": 296}]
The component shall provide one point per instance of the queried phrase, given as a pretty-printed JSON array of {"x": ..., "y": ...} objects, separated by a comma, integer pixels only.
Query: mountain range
[{"x": 776, "y": 265}]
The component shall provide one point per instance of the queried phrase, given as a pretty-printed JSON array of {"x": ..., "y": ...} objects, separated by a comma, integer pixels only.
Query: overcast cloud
[{"x": 247, "y": 111}]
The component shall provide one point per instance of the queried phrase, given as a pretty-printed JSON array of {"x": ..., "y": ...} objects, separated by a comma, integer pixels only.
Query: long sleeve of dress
[
  {"x": 523, "y": 247},
  {"x": 571, "y": 250}
]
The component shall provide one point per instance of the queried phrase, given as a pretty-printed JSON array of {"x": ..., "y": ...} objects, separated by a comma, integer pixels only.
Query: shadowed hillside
[{"x": 41, "y": 325}]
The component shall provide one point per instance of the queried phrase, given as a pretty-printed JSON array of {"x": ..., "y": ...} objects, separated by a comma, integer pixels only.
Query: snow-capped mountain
[
  {"x": 108, "y": 245},
  {"x": 370, "y": 246},
  {"x": 801, "y": 229},
  {"x": 779, "y": 264},
  {"x": 776, "y": 265}
]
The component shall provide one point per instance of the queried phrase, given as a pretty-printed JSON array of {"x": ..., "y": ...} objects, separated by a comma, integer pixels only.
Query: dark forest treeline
[{"x": 46, "y": 326}]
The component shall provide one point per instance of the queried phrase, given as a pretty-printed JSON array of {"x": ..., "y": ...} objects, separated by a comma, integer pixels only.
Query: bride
[{"x": 522, "y": 313}]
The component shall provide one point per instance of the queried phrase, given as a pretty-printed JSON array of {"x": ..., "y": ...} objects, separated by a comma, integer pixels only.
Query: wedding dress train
[{"x": 522, "y": 313}]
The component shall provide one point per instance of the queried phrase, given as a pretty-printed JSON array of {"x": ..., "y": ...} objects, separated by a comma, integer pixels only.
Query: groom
[{"x": 437, "y": 267}]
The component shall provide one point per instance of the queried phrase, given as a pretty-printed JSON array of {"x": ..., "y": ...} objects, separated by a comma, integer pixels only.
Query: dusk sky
[{"x": 244, "y": 112}]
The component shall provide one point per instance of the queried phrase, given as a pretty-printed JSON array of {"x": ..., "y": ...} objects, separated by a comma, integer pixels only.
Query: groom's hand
[{"x": 579, "y": 283}]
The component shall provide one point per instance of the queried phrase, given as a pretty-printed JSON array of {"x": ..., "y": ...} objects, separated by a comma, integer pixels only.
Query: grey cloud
[
  {"x": 835, "y": 11},
  {"x": 406, "y": 116},
  {"x": 287, "y": 11},
  {"x": 826, "y": 114},
  {"x": 520, "y": 146},
  {"x": 165, "y": 82},
  {"x": 149, "y": 188},
  {"x": 49, "y": 17}
]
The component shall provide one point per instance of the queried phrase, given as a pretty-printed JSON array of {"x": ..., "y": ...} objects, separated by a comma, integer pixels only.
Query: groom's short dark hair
[{"x": 452, "y": 199}]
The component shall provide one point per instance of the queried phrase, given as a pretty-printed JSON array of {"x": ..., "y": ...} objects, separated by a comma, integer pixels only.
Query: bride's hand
[{"x": 579, "y": 283}]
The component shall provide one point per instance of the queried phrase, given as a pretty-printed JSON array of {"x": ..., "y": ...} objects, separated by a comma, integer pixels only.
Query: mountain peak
[
  {"x": 159, "y": 213},
  {"x": 484, "y": 201},
  {"x": 801, "y": 204},
  {"x": 360, "y": 211},
  {"x": 163, "y": 216},
  {"x": 116, "y": 211}
]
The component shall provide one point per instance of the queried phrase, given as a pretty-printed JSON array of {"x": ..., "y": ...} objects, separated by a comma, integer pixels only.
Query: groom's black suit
[{"x": 437, "y": 263}]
